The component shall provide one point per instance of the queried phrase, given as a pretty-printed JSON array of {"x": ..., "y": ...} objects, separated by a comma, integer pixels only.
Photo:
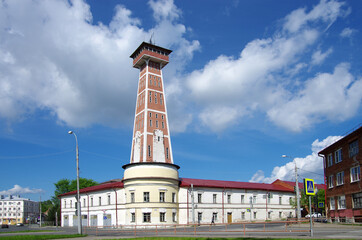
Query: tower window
[
  {"x": 162, "y": 116},
  {"x": 161, "y": 99},
  {"x": 162, "y": 196},
  {"x": 150, "y": 114},
  {"x": 146, "y": 196},
  {"x": 159, "y": 84},
  {"x": 150, "y": 122},
  {"x": 156, "y": 124},
  {"x": 167, "y": 153},
  {"x": 163, "y": 125},
  {"x": 156, "y": 115},
  {"x": 155, "y": 99},
  {"x": 132, "y": 197},
  {"x": 149, "y": 150}
]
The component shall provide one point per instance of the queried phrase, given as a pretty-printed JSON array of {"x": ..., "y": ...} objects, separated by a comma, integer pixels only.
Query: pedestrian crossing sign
[{"x": 309, "y": 186}]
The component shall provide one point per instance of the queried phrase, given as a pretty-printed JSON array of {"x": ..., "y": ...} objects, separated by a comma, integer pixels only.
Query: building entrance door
[{"x": 230, "y": 217}]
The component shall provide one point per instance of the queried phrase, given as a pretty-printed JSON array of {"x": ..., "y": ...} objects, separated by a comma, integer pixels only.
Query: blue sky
[{"x": 247, "y": 82}]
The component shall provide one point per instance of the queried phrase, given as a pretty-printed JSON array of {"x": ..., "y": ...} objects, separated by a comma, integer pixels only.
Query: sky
[{"x": 247, "y": 82}]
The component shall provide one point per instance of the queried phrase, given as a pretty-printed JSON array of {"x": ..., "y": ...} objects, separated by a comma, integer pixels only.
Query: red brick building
[{"x": 342, "y": 171}]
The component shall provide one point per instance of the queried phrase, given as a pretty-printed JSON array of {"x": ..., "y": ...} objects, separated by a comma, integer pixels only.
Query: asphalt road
[{"x": 321, "y": 230}]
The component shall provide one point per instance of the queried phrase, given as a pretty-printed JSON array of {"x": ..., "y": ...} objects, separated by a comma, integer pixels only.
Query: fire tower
[{"x": 151, "y": 178}]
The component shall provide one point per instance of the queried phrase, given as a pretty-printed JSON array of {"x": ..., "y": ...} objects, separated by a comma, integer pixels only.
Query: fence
[{"x": 241, "y": 228}]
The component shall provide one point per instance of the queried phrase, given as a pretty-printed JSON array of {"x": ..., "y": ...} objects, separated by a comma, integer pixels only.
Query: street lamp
[
  {"x": 296, "y": 186},
  {"x": 78, "y": 198}
]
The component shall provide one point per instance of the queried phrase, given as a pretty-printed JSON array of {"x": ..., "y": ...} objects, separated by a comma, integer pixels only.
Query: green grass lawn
[
  {"x": 201, "y": 238},
  {"x": 41, "y": 237},
  {"x": 24, "y": 231}
]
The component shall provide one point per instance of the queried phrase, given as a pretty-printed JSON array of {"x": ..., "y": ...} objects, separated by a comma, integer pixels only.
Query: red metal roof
[
  {"x": 186, "y": 182},
  {"x": 96, "y": 188},
  {"x": 300, "y": 184}
]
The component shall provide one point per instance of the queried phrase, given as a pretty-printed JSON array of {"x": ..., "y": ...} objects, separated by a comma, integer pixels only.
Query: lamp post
[
  {"x": 78, "y": 198},
  {"x": 296, "y": 186}
]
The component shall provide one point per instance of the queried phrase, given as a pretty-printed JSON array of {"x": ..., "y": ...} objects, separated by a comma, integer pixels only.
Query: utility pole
[{"x": 40, "y": 212}]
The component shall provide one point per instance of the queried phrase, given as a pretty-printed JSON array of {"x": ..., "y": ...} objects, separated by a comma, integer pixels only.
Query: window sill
[{"x": 356, "y": 181}]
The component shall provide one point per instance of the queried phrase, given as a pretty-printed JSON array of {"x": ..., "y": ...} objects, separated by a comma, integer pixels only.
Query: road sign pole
[{"x": 310, "y": 216}]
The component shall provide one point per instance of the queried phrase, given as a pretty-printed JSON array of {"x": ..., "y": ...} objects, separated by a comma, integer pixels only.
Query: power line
[
  {"x": 100, "y": 155},
  {"x": 35, "y": 156}
]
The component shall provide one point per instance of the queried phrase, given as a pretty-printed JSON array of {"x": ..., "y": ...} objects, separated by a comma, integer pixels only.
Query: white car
[{"x": 314, "y": 215}]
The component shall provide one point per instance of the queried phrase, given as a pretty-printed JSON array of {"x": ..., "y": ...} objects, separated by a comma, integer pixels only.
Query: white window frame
[
  {"x": 355, "y": 174},
  {"x": 338, "y": 156},
  {"x": 342, "y": 202},
  {"x": 329, "y": 160},
  {"x": 330, "y": 181},
  {"x": 332, "y": 203},
  {"x": 340, "y": 178}
]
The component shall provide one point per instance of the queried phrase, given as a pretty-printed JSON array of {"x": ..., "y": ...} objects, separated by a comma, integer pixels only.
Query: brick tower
[
  {"x": 151, "y": 135},
  {"x": 151, "y": 179}
]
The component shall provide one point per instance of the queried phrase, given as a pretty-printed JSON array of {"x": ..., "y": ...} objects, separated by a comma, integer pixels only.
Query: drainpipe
[
  {"x": 88, "y": 209},
  {"x": 116, "y": 208},
  {"x": 223, "y": 214},
  {"x": 325, "y": 183},
  {"x": 187, "y": 206}
]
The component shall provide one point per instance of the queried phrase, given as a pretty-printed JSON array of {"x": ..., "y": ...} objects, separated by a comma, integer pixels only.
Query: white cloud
[
  {"x": 335, "y": 97},
  {"x": 262, "y": 78},
  {"x": 347, "y": 32},
  {"x": 325, "y": 11},
  {"x": 20, "y": 190},
  {"x": 310, "y": 166},
  {"x": 318, "y": 57},
  {"x": 53, "y": 58}
]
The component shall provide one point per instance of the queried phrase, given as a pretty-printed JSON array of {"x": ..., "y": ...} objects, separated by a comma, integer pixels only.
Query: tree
[
  {"x": 304, "y": 200},
  {"x": 61, "y": 187}
]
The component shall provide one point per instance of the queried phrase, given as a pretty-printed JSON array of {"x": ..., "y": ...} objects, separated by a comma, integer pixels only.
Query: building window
[
  {"x": 132, "y": 197},
  {"x": 156, "y": 115},
  {"x": 133, "y": 217},
  {"x": 280, "y": 214},
  {"x": 242, "y": 198},
  {"x": 280, "y": 200},
  {"x": 353, "y": 148},
  {"x": 214, "y": 216},
  {"x": 357, "y": 200},
  {"x": 156, "y": 124},
  {"x": 100, "y": 201},
  {"x": 167, "y": 153},
  {"x": 254, "y": 215},
  {"x": 162, "y": 115},
  {"x": 162, "y": 217},
  {"x": 229, "y": 198},
  {"x": 330, "y": 181},
  {"x": 173, "y": 197},
  {"x": 163, "y": 125},
  {"x": 355, "y": 174},
  {"x": 149, "y": 150},
  {"x": 65, "y": 204},
  {"x": 84, "y": 202},
  {"x": 147, "y": 217},
  {"x": 214, "y": 198},
  {"x": 330, "y": 159},
  {"x": 254, "y": 199},
  {"x": 341, "y": 202},
  {"x": 71, "y": 205},
  {"x": 161, "y": 100},
  {"x": 91, "y": 202},
  {"x": 199, "y": 217},
  {"x": 174, "y": 217},
  {"x": 199, "y": 198},
  {"x": 338, "y": 155},
  {"x": 162, "y": 196},
  {"x": 109, "y": 199},
  {"x": 146, "y": 196},
  {"x": 340, "y": 178},
  {"x": 243, "y": 215},
  {"x": 150, "y": 122},
  {"x": 269, "y": 215}
]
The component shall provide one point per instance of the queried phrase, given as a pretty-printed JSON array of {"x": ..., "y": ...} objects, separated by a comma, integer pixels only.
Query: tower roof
[{"x": 146, "y": 51}]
